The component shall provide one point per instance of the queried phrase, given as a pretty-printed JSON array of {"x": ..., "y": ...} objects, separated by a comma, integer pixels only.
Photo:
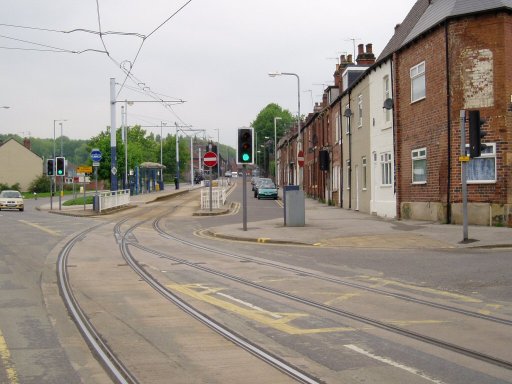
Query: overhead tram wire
[{"x": 146, "y": 37}]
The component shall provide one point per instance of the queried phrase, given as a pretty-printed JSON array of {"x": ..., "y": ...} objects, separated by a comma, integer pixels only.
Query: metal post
[
  {"x": 244, "y": 197},
  {"x": 113, "y": 149},
  {"x": 191, "y": 161},
  {"x": 276, "y": 179},
  {"x": 218, "y": 153},
  {"x": 211, "y": 193},
  {"x": 177, "y": 159},
  {"x": 464, "y": 176}
]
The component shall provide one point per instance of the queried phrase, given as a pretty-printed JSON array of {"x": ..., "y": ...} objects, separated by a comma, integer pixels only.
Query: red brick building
[{"x": 448, "y": 60}]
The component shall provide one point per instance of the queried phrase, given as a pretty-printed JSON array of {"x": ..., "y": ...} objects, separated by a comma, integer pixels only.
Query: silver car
[{"x": 11, "y": 200}]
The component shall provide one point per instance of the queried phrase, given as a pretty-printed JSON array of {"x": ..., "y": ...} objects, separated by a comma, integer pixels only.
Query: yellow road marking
[
  {"x": 404, "y": 323},
  {"x": 5, "y": 356},
  {"x": 276, "y": 320},
  {"x": 383, "y": 282},
  {"x": 40, "y": 227},
  {"x": 263, "y": 239},
  {"x": 493, "y": 308},
  {"x": 345, "y": 297}
]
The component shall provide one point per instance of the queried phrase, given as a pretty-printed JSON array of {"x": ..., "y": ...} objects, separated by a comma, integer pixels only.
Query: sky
[{"x": 207, "y": 60}]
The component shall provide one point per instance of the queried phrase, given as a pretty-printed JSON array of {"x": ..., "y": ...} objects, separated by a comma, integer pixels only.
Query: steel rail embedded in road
[
  {"x": 366, "y": 320},
  {"x": 252, "y": 348},
  {"x": 104, "y": 354}
]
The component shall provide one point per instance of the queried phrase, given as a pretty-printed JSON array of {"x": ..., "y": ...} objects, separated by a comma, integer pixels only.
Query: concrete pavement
[{"x": 335, "y": 227}]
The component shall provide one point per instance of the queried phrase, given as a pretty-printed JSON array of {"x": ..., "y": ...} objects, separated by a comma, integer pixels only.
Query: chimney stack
[
  {"x": 26, "y": 143},
  {"x": 365, "y": 58}
]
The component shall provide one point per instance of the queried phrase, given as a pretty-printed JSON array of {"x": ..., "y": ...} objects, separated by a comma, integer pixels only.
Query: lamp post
[
  {"x": 299, "y": 141},
  {"x": 161, "y": 152},
  {"x": 54, "y": 155},
  {"x": 275, "y": 149},
  {"x": 177, "y": 179}
]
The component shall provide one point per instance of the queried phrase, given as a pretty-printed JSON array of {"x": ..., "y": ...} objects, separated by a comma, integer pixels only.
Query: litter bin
[{"x": 294, "y": 206}]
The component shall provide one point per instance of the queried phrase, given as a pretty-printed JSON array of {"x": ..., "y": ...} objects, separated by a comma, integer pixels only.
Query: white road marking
[{"x": 385, "y": 360}]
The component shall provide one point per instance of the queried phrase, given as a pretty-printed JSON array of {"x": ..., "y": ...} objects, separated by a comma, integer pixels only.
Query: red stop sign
[
  {"x": 210, "y": 159},
  {"x": 300, "y": 158}
]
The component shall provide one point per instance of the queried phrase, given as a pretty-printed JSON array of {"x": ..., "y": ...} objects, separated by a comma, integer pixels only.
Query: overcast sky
[{"x": 213, "y": 54}]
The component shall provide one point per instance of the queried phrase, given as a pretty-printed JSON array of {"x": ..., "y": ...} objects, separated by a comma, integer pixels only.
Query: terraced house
[{"x": 390, "y": 136}]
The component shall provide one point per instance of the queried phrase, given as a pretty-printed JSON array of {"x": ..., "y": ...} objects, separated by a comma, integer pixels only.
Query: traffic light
[
  {"x": 60, "y": 166},
  {"x": 50, "y": 167},
  {"x": 475, "y": 134},
  {"x": 245, "y": 148}
]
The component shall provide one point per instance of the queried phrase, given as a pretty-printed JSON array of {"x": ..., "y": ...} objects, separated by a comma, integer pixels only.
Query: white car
[
  {"x": 234, "y": 174},
  {"x": 11, "y": 200}
]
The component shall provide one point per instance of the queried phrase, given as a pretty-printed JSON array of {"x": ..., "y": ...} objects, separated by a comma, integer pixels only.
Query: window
[
  {"x": 385, "y": 168},
  {"x": 387, "y": 95},
  {"x": 418, "y": 90},
  {"x": 419, "y": 166},
  {"x": 360, "y": 110},
  {"x": 365, "y": 180},
  {"x": 483, "y": 169}
]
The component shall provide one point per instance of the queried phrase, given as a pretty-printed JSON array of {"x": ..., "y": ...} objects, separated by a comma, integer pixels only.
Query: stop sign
[
  {"x": 210, "y": 159},
  {"x": 300, "y": 158}
]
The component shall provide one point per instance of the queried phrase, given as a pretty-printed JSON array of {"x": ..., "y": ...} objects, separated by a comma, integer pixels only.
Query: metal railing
[
  {"x": 113, "y": 199},
  {"x": 218, "y": 197}
]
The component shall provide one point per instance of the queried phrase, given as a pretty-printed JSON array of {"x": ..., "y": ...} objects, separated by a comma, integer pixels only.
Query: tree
[{"x": 264, "y": 127}]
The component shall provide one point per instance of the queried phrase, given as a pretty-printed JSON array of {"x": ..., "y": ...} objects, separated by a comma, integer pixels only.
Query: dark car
[{"x": 267, "y": 190}]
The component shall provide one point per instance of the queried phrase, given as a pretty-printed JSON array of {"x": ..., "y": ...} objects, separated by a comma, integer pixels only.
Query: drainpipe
[{"x": 449, "y": 122}]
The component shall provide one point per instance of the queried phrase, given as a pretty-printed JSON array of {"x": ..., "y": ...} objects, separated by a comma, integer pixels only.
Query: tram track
[
  {"x": 262, "y": 354},
  {"x": 327, "y": 308},
  {"x": 126, "y": 239},
  {"x": 112, "y": 365}
]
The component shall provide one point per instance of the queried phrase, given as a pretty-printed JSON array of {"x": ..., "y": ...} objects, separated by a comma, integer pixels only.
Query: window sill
[
  {"x": 418, "y": 100},
  {"x": 419, "y": 182},
  {"x": 481, "y": 181}
]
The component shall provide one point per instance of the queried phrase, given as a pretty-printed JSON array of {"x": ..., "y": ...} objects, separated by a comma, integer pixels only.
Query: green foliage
[
  {"x": 75, "y": 151},
  {"x": 264, "y": 127},
  {"x": 40, "y": 185},
  {"x": 15, "y": 187},
  {"x": 142, "y": 147}
]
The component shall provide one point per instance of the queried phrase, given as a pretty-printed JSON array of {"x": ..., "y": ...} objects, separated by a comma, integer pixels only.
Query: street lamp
[
  {"x": 275, "y": 149},
  {"x": 161, "y": 157},
  {"x": 299, "y": 141}
]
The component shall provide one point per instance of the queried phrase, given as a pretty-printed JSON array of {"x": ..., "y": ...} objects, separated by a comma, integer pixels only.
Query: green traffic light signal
[
  {"x": 245, "y": 146},
  {"x": 60, "y": 166}
]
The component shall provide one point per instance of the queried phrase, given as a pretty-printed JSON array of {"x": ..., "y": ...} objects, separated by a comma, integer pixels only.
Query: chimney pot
[
  {"x": 369, "y": 48},
  {"x": 360, "y": 48}
]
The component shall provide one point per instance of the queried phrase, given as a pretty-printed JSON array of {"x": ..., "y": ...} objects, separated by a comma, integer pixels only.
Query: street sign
[
  {"x": 300, "y": 158},
  {"x": 114, "y": 170},
  {"x": 84, "y": 169},
  {"x": 96, "y": 154},
  {"x": 210, "y": 159}
]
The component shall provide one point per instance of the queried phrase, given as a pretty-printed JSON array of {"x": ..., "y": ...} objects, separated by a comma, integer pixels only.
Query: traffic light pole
[
  {"x": 464, "y": 176},
  {"x": 244, "y": 196}
]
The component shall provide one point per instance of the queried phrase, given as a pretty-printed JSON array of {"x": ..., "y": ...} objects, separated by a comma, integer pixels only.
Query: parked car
[
  {"x": 267, "y": 190},
  {"x": 260, "y": 181},
  {"x": 11, "y": 200},
  {"x": 234, "y": 174},
  {"x": 254, "y": 179},
  {"x": 227, "y": 174}
]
